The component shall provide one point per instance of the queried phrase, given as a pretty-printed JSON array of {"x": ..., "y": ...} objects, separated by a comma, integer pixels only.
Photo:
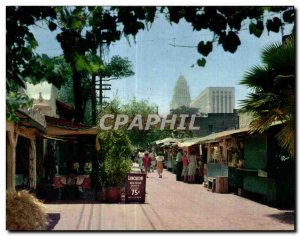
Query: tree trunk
[{"x": 79, "y": 113}]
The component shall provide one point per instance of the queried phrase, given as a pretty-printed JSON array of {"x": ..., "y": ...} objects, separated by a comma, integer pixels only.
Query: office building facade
[{"x": 215, "y": 100}]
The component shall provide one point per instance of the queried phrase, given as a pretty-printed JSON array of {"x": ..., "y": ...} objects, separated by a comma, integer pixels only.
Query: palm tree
[{"x": 273, "y": 92}]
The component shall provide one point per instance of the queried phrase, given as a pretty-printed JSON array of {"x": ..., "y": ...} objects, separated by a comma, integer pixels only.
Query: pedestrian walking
[
  {"x": 185, "y": 164},
  {"x": 153, "y": 160},
  {"x": 146, "y": 163},
  {"x": 192, "y": 166},
  {"x": 159, "y": 164},
  {"x": 178, "y": 165},
  {"x": 139, "y": 159}
]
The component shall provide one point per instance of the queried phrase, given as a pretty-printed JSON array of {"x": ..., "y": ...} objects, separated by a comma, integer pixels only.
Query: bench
[{"x": 211, "y": 184}]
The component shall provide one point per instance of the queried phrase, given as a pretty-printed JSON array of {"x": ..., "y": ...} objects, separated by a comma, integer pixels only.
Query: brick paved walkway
[{"x": 172, "y": 205}]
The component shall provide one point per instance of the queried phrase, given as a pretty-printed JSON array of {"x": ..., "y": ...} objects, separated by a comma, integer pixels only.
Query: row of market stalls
[
  {"x": 249, "y": 164},
  {"x": 168, "y": 147},
  {"x": 32, "y": 148},
  {"x": 40, "y": 147}
]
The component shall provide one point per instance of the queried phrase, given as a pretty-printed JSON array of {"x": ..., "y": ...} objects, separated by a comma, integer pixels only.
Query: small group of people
[
  {"x": 186, "y": 166},
  {"x": 147, "y": 162}
]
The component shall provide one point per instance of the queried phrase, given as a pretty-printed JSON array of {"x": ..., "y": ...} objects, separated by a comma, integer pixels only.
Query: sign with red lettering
[{"x": 135, "y": 189}]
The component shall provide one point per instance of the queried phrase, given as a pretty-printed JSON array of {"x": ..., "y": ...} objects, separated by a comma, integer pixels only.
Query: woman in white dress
[
  {"x": 159, "y": 164},
  {"x": 140, "y": 157},
  {"x": 153, "y": 161},
  {"x": 192, "y": 166}
]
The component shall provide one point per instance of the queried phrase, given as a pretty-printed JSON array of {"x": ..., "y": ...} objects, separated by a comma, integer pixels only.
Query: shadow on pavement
[
  {"x": 53, "y": 219},
  {"x": 287, "y": 217},
  {"x": 71, "y": 202}
]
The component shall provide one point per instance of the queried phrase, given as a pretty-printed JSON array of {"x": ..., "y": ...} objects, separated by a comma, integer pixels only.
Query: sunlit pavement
[{"x": 173, "y": 205}]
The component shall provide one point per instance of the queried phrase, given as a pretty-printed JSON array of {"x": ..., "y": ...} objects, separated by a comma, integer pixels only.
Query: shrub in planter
[
  {"x": 116, "y": 170},
  {"x": 115, "y": 153},
  {"x": 24, "y": 211}
]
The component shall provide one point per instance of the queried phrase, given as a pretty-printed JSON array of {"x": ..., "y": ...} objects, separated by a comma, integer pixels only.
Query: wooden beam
[
  {"x": 29, "y": 133},
  {"x": 208, "y": 153},
  {"x": 224, "y": 150},
  {"x": 56, "y": 131}
]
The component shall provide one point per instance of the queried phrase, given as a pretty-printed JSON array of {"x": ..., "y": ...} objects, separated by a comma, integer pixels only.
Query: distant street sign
[{"x": 135, "y": 189}]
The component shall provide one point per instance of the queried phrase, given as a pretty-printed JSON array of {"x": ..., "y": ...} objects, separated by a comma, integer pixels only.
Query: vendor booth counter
[
  {"x": 72, "y": 186},
  {"x": 83, "y": 181}
]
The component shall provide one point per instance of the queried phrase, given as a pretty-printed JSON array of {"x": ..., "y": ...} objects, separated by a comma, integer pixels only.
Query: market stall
[
  {"x": 193, "y": 144},
  {"x": 223, "y": 157}
]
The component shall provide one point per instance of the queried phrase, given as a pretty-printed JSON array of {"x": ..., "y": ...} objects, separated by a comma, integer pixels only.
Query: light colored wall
[
  {"x": 213, "y": 99},
  {"x": 244, "y": 120}
]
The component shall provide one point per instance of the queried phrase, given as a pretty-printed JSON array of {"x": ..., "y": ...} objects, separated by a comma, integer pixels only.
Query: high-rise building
[
  {"x": 215, "y": 100},
  {"x": 181, "y": 94}
]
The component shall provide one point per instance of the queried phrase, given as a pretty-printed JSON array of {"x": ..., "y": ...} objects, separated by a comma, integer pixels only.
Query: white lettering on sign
[
  {"x": 135, "y": 178},
  {"x": 135, "y": 192}
]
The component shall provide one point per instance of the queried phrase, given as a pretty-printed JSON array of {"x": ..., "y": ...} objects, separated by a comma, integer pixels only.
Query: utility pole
[{"x": 99, "y": 85}]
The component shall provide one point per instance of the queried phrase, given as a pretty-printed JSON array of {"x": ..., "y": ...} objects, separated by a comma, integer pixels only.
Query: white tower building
[{"x": 181, "y": 94}]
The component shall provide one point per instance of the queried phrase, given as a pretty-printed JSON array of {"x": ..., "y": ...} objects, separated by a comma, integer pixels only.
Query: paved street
[{"x": 172, "y": 205}]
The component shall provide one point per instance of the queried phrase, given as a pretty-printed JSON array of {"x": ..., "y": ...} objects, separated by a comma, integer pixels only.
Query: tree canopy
[
  {"x": 117, "y": 68},
  {"x": 82, "y": 29},
  {"x": 23, "y": 64},
  {"x": 273, "y": 96},
  {"x": 225, "y": 22}
]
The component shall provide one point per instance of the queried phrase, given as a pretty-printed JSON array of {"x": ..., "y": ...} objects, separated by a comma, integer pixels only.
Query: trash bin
[{"x": 221, "y": 184}]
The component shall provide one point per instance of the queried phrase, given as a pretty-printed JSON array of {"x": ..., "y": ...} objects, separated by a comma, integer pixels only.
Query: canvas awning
[
  {"x": 189, "y": 142},
  {"x": 222, "y": 134},
  {"x": 211, "y": 138},
  {"x": 167, "y": 141}
]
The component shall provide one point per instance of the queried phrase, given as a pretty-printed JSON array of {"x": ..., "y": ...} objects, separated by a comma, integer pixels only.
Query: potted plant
[
  {"x": 115, "y": 164},
  {"x": 116, "y": 170}
]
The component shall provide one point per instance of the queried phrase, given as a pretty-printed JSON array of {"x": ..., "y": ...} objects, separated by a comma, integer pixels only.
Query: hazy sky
[{"x": 157, "y": 64}]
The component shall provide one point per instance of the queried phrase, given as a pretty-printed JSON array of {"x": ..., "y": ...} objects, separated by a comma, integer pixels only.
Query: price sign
[{"x": 135, "y": 187}]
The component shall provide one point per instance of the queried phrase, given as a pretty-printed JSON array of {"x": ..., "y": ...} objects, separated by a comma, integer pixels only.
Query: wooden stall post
[
  {"x": 32, "y": 164},
  {"x": 11, "y": 160}
]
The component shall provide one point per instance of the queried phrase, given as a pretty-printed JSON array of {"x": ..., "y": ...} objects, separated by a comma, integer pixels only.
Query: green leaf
[
  {"x": 80, "y": 63},
  {"x": 31, "y": 40},
  {"x": 175, "y": 14},
  {"x": 52, "y": 26},
  {"x": 201, "y": 62},
  {"x": 75, "y": 23},
  {"x": 289, "y": 16},
  {"x": 256, "y": 29},
  {"x": 205, "y": 49},
  {"x": 230, "y": 41},
  {"x": 274, "y": 25}
]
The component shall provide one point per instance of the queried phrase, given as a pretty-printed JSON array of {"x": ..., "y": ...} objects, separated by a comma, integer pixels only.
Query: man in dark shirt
[{"x": 178, "y": 165}]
